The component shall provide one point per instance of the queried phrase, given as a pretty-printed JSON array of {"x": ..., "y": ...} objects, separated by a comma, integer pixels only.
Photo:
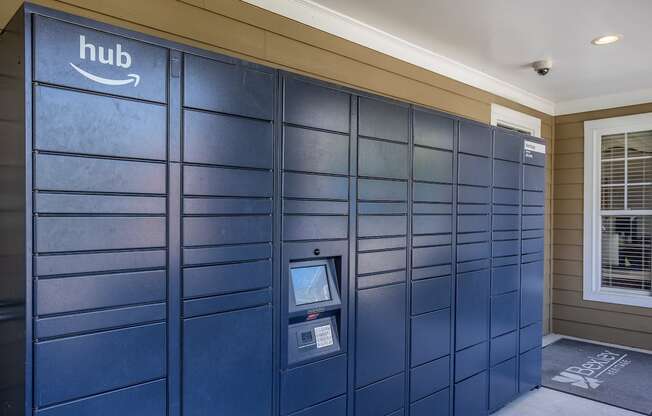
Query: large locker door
[
  {"x": 432, "y": 263},
  {"x": 99, "y": 223},
  {"x": 532, "y": 266},
  {"x": 381, "y": 315},
  {"x": 227, "y": 170},
  {"x": 473, "y": 278},
  {"x": 506, "y": 246},
  {"x": 315, "y": 197}
]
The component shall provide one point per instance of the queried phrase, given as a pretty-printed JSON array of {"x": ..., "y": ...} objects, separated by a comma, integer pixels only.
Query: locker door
[{"x": 227, "y": 171}]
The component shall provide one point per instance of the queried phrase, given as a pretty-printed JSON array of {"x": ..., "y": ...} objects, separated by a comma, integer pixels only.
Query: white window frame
[
  {"x": 593, "y": 131},
  {"x": 511, "y": 118}
]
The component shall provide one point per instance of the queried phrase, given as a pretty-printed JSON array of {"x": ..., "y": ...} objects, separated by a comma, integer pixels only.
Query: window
[
  {"x": 618, "y": 210},
  {"x": 513, "y": 120}
]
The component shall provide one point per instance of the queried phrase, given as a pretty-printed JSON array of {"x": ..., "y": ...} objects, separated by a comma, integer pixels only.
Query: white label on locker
[
  {"x": 324, "y": 336},
  {"x": 535, "y": 147}
]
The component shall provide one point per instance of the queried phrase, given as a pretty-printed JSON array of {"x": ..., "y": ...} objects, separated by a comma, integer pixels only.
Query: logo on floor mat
[
  {"x": 587, "y": 375},
  {"x": 106, "y": 56}
]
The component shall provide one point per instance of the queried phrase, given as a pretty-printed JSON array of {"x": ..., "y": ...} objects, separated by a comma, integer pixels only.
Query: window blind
[{"x": 626, "y": 211}]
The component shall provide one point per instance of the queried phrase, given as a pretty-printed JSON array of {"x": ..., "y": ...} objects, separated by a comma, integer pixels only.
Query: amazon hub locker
[{"x": 188, "y": 234}]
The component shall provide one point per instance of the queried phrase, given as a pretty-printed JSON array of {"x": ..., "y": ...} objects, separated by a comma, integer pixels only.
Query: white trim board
[
  {"x": 338, "y": 24},
  {"x": 604, "y": 101},
  {"x": 507, "y": 117}
]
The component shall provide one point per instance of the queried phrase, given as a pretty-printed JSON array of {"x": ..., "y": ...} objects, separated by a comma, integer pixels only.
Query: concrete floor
[{"x": 546, "y": 402}]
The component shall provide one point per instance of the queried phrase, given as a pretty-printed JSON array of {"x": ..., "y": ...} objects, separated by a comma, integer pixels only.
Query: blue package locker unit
[{"x": 186, "y": 233}]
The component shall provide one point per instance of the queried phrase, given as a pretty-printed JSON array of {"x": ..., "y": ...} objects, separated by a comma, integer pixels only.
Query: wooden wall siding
[
  {"x": 239, "y": 29},
  {"x": 571, "y": 315}
]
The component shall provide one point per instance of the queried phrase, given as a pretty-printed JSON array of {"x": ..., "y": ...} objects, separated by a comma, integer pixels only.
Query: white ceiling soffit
[
  {"x": 603, "y": 101},
  {"x": 327, "y": 20}
]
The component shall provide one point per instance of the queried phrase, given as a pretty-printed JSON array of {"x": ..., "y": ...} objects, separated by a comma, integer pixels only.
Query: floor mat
[{"x": 610, "y": 375}]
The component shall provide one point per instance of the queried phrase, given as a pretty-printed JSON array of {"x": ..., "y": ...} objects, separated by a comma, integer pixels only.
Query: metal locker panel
[
  {"x": 432, "y": 165},
  {"x": 433, "y": 130},
  {"x": 506, "y": 174},
  {"x": 473, "y": 209},
  {"x": 474, "y": 265},
  {"x": 432, "y": 271},
  {"x": 473, "y": 195},
  {"x": 474, "y": 251},
  {"x": 505, "y": 261},
  {"x": 475, "y": 139},
  {"x": 334, "y": 407},
  {"x": 98, "y": 262},
  {"x": 537, "y": 210},
  {"x": 529, "y": 370},
  {"x": 228, "y": 374},
  {"x": 313, "y": 105},
  {"x": 68, "y": 173},
  {"x": 381, "y": 279},
  {"x": 473, "y": 170},
  {"x": 109, "y": 126},
  {"x": 381, "y": 225},
  {"x": 503, "y": 348},
  {"x": 214, "y": 181},
  {"x": 431, "y": 240},
  {"x": 60, "y": 325},
  {"x": 506, "y": 209},
  {"x": 381, "y": 261},
  {"x": 57, "y": 234},
  {"x": 72, "y": 294},
  {"x": 506, "y": 235},
  {"x": 530, "y": 337},
  {"x": 505, "y": 248},
  {"x": 226, "y": 303},
  {"x": 504, "y": 313},
  {"x": 431, "y": 294},
  {"x": 533, "y": 233},
  {"x": 471, "y": 361},
  {"x": 102, "y": 62},
  {"x": 371, "y": 208},
  {"x": 383, "y": 120},
  {"x": 531, "y": 292},
  {"x": 315, "y": 151},
  {"x": 380, "y": 354},
  {"x": 476, "y": 387},
  {"x": 429, "y": 378},
  {"x": 505, "y": 279},
  {"x": 430, "y": 336},
  {"x": 205, "y": 255},
  {"x": 472, "y": 223},
  {"x": 293, "y": 206},
  {"x": 227, "y": 278},
  {"x": 45, "y": 203},
  {"x": 533, "y": 198},
  {"x": 435, "y": 404},
  {"x": 301, "y": 185},
  {"x": 472, "y": 300},
  {"x": 506, "y": 196},
  {"x": 387, "y": 243},
  {"x": 532, "y": 245},
  {"x": 505, "y": 222},
  {"x": 313, "y": 227},
  {"x": 204, "y": 231},
  {"x": 298, "y": 387},
  {"x": 226, "y": 206},
  {"x": 528, "y": 258},
  {"x": 382, "y": 159},
  {"x": 430, "y": 192},
  {"x": 380, "y": 190},
  {"x": 381, "y": 398},
  {"x": 147, "y": 399},
  {"x": 534, "y": 178},
  {"x": 228, "y": 86},
  {"x": 432, "y": 224},
  {"x": 68, "y": 368},
  {"x": 502, "y": 384},
  {"x": 428, "y": 256},
  {"x": 225, "y": 140},
  {"x": 507, "y": 145},
  {"x": 432, "y": 208}
]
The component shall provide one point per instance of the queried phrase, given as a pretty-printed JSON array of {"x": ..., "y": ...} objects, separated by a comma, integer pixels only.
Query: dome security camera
[{"x": 542, "y": 67}]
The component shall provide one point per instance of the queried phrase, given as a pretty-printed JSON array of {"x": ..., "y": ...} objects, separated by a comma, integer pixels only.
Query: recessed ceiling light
[{"x": 607, "y": 39}]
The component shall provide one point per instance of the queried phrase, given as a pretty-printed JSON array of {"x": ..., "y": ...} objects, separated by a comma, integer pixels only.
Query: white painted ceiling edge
[{"x": 338, "y": 24}]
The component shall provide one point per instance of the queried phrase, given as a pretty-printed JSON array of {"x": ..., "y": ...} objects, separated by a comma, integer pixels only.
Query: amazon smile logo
[{"x": 107, "y": 56}]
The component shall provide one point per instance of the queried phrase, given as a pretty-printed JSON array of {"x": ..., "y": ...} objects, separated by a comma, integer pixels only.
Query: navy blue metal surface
[{"x": 167, "y": 217}]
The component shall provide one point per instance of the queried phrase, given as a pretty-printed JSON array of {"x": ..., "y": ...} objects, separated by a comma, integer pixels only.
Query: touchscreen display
[{"x": 310, "y": 284}]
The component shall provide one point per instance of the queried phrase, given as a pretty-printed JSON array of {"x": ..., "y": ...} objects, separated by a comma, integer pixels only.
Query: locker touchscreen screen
[{"x": 310, "y": 284}]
